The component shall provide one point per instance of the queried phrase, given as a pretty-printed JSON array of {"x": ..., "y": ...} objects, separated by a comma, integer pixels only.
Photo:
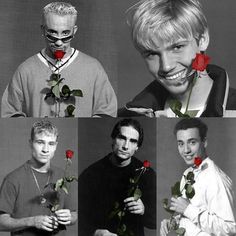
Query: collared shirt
[{"x": 211, "y": 210}]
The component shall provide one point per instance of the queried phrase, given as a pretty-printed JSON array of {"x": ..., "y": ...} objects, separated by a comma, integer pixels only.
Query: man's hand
[
  {"x": 103, "y": 232},
  {"x": 179, "y": 204},
  {"x": 133, "y": 206},
  {"x": 63, "y": 216},
  {"x": 165, "y": 225},
  {"x": 48, "y": 223}
]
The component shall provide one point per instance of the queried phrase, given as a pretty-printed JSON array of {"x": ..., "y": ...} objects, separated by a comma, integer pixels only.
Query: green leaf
[
  {"x": 52, "y": 83},
  {"x": 65, "y": 90},
  {"x": 191, "y": 113},
  {"x": 70, "y": 109},
  {"x": 175, "y": 190},
  {"x": 71, "y": 178},
  {"x": 137, "y": 194},
  {"x": 59, "y": 184},
  {"x": 64, "y": 188},
  {"x": 190, "y": 176},
  {"x": 77, "y": 92},
  {"x": 120, "y": 214},
  {"x": 55, "y": 208},
  {"x": 130, "y": 191},
  {"x": 56, "y": 91},
  {"x": 131, "y": 180},
  {"x": 190, "y": 192},
  {"x": 166, "y": 207},
  {"x": 180, "y": 231},
  {"x": 175, "y": 105},
  {"x": 55, "y": 77}
]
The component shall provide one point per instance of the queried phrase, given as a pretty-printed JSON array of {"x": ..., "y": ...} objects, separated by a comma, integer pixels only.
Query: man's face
[
  {"x": 171, "y": 63},
  {"x": 43, "y": 147},
  {"x": 126, "y": 143},
  {"x": 190, "y": 145},
  {"x": 58, "y": 31}
]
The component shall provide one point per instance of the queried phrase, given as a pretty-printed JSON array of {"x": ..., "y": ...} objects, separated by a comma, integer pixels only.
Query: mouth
[
  {"x": 178, "y": 78},
  {"x": 189, "y": 157}
]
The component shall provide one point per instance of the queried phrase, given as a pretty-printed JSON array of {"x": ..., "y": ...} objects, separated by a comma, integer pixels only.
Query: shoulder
[
  {"x": 18, "y": 173},
  {"x": 153, "y": 96},
  {"x": 97, "y": 167},
  {"x": 88, "y": 60},
  {"x": 29, "y": 63},
  {"x": 214, "y": 176}
]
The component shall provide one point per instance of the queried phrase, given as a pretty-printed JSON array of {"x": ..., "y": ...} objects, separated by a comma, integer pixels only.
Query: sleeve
[
  {"x": 13, "y": 98},
  {"x": 217, "y": 217},
  {"x": 191, "y": 229},
  {"x": 8, "y": 197},
  {"x": 149, "y": 200},
  {"x": 104, "y": 98}
]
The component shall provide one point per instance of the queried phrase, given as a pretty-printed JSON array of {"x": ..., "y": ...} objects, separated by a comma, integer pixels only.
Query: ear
[
  {"x": 204, "y": 41},
  {"x": 205, "y": 142},
  {"x": 75, "y": 29}
]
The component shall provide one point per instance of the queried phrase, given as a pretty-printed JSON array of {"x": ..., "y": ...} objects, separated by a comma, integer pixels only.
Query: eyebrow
[{"x": 124, "y": 137}]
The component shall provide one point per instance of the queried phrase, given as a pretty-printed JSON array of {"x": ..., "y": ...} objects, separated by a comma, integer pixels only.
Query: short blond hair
[
  {"x": 60, "y": 8},
  {"x": 166, "y": 20}
]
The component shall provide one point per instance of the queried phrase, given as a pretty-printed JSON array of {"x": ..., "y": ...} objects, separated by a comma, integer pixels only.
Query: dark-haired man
[
  {"x": 107, "y": 181},
  {"x": 211, "y": 210}
]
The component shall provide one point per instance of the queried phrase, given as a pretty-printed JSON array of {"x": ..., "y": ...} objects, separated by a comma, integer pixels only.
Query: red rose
[
  {"x": 146, "y": 164},
  {"x": 197, "y": 161},
  {"x": 59, "y": 54},
  {"x": 200, "y": 62},
  {"x": 69, "y": 154}
]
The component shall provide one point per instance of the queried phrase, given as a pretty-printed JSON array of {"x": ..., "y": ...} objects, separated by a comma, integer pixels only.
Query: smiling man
[
  {"x": 24, "y": 200},
  {"x": 211, "y": 210},
  {"x": 169, "y": 34},
  {"x": 26, "y": 93},
  {"x": 106, "y": 183}
]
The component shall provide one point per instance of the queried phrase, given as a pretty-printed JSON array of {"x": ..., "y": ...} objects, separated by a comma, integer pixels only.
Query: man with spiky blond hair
[{"x": 85, "y": 90}]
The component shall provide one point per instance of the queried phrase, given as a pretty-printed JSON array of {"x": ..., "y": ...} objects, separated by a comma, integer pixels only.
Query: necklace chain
[
  {"x": 59, "y": 67},
  {"x": 42, "y": 199}
]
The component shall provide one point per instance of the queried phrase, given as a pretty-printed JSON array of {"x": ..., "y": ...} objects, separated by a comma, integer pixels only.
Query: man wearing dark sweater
[{"x": 107, "y": 206}]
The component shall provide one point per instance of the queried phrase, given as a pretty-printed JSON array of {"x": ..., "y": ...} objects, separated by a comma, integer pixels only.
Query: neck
[
  {"x": 116, "y": 161},
  {"x": 43, "y": 168}
]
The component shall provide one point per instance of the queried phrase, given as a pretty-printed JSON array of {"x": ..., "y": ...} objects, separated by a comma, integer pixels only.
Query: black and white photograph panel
[
  {"x": 196, "y": 176},
  {"x": 117, "y": 177},
  {"x": 47, "y": 70},
  {"x": 38, "y": 177},
  {"x": 168, "y": 48}
]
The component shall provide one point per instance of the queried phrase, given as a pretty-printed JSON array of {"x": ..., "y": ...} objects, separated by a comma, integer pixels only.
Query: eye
[
  {"x": 178, "y": 47},
  {"x": 52, "y": 143},
  {"x": 180, "y": 144},
  {"x": 193, "y": 142}
]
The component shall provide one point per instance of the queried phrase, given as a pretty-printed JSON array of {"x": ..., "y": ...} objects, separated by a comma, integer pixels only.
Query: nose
[
  {"x": 186, "y": 148},
  {"x": 125, "y": 145},
  {"x": 45, "y": 148},
  {"x": 58, "y": 43},
  {"x": 166, "y": 62}
]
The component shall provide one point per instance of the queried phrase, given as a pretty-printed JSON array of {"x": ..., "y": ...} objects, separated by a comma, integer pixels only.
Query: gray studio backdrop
[
  {"x": 15, "y": 149},
  {"x": 170, "y": 166},
  {"x": 95, "y": 142},
  {"x": 104, "y": 34}
]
